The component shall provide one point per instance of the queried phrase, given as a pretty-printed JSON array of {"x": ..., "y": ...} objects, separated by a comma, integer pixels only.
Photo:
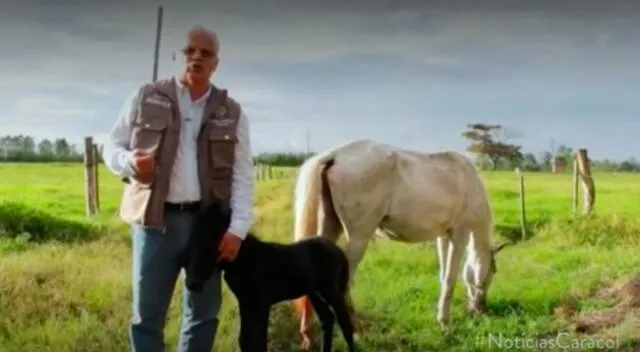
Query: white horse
[{"x": 367, "y": 188}]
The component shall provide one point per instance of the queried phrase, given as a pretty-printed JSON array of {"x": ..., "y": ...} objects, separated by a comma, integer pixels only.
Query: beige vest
[{"x": 156, "y": 130}]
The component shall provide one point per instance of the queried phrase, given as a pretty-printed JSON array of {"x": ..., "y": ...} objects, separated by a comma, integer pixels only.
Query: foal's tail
[
  {"x": 308, "y": 197},
  {"x": 344, "y": 275}
]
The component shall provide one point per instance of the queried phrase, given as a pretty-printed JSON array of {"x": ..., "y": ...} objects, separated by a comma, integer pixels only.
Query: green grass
[{"x": 65, "y": 281}]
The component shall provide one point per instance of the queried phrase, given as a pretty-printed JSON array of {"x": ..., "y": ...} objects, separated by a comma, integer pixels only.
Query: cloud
[
  {"x": 400, "y": 71},
  {"x": 90, "y": 44},
  {"x": 48, "y": 107}
]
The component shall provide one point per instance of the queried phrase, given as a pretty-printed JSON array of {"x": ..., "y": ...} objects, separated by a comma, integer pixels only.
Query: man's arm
[
  {"x": 243, "y": 182},
  {"x": 116, "y": 154}
]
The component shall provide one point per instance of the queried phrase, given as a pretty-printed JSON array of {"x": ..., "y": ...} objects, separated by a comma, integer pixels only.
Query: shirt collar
[{"x": 182, "y": 91}]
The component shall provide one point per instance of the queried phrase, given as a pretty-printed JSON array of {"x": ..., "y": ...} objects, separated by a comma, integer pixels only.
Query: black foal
[{"x": 265, "y": 273}]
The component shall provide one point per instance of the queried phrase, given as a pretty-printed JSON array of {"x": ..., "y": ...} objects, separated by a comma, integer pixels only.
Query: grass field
[{"x": 65, "y": 286}]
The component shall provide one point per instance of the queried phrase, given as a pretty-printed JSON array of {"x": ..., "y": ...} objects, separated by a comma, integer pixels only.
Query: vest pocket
[
  {"x": 147, "y": 135},
  {"x": 221, "y": 158},
  {"x": 221, "y": 150}
]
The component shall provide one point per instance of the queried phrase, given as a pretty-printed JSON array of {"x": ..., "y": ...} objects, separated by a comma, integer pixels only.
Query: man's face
[{"x": 200, "y": 56}]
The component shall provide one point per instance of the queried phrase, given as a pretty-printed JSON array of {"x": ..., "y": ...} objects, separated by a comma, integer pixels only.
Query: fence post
[
  {"x": 588, "y": 186},
  {"x": 523, "y": 210},
  {"x": 96, "y": 172},
  {"x": 575, "y": 191},
  {"x": 89, "y": 177}
]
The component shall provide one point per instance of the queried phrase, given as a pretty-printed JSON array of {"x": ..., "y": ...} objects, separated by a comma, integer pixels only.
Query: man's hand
[
  {"x": 144, "y": 165},
  {"x": 229, "y": 247}
]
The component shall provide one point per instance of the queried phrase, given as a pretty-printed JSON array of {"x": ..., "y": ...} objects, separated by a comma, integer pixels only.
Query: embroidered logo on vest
[
  {"x": 221, "y": 111},
  {"x": 222, "y": 118},
  {"x": 157, "y": 100}
]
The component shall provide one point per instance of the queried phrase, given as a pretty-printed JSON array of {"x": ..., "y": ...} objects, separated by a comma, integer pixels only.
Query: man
[{"x": 180, "y": 143}]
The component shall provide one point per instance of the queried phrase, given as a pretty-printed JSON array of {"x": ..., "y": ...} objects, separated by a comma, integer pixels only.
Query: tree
[
  {"x": 529, "y": 163},
  {"x": 565, "y": 153},
  {"x": 546, "y": 161},
  {"x": 62, "y": 148},
  {"x": 629, "y": 165},
  {"x": 490, "y": 141},
  {"x": 23, "y": 148},
  {"x": 45, "y": 149}
]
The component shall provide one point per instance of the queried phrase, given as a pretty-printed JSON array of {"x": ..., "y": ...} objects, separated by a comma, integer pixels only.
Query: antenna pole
[{"x": 156, "y": 54}]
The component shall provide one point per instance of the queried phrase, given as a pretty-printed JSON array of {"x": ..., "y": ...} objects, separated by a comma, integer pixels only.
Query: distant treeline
[
  {"x": 21, "y": 148},
  {"x": 282, "y": 158}
]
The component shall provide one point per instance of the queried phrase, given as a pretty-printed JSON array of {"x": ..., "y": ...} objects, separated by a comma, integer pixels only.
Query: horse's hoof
[
  {"x": 444, "y": 323},
  {"x": 476, "y": 309},
  {"x": 305, "y": 344},
  {"x": 445, "y": 329},
  {"x": 473, "y": 311}
]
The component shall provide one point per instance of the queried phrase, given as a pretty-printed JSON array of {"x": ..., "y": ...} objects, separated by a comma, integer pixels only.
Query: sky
[{"x": 407, "y": 73}]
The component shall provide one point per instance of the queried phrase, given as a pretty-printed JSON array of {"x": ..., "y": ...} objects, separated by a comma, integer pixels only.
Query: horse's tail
[{"x": 308, "y": 196}]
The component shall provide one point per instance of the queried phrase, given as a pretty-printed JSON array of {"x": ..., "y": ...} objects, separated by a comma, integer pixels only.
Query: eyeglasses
[{"x": 189, "y": 51}]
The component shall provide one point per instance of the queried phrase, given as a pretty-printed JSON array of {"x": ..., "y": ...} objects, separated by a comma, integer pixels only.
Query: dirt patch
[{"x": 619, "y": 316}]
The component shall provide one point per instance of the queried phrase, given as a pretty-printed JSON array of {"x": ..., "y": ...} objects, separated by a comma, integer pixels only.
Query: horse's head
[
  {"x": 207, "y": 231},
  {"x": 486, "y": 281}
]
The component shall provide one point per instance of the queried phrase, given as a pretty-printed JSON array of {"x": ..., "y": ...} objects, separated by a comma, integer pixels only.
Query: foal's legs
[
  {"x": 457, "y": 240},
  {"x": 254, "y": 325},
  {"x": 326, "y": 320},
  {"x": 338, "y": 301},
  {"x": 331, "y": 228}
]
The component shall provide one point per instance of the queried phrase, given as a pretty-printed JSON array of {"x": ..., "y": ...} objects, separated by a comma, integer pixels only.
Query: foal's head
[{"x": 208, "y": 228}]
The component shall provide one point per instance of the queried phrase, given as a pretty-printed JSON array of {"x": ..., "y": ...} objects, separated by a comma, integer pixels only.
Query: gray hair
[{"x": 208, "y": 32}]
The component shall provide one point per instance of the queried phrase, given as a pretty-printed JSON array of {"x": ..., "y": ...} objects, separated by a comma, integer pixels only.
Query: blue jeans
[{"x": 155, "y": 271}]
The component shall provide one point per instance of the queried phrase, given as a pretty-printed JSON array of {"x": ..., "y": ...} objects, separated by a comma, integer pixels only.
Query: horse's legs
[
  {"x": 457, "y": 241},
  {"x": 478, "y": 268},
  {"x": 359, "y": 224},
  {"x": 355, "y": 249},
  {"x": 325, "y": 315},
  {"x": 329, "y": 224},
  {"x": 443, "y": 247},
  {"x": 469, "y": 281},
  {"x": 468, "y": 275}
]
